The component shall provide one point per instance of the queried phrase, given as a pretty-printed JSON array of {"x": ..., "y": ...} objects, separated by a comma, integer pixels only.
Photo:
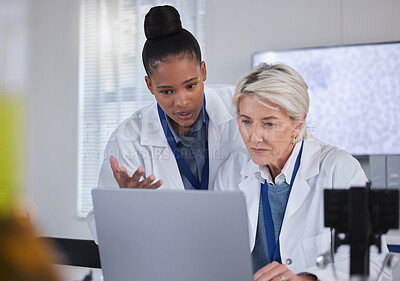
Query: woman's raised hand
[{"x": 126, "y": 181}]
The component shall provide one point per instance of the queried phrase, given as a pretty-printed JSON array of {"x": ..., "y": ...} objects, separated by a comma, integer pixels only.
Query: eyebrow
[
  {"x": 190, "y": 80},
  {"x": 185, "y": 82},
  {"x": 264, "y": 118}
]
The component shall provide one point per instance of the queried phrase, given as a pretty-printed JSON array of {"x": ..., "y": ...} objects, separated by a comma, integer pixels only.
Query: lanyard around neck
[
  {"x": 181, "y": 162},
  {"x": 273, "y": 247}
]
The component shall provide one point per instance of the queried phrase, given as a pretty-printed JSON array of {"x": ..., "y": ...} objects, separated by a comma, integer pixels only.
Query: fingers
[
  {"x": 265, "y": 270},
  {"x": 114, "y": 163},
  {"x": 149, "y": 183},
  {"x": 137, "y": 175},
  {"x": 125, "y": 181},
  {"x": 114, "y": 166},
  {"x": 156, "y": 185},
  {"x": 273, "y": 271},
  {"x": 146, "y": 182}
]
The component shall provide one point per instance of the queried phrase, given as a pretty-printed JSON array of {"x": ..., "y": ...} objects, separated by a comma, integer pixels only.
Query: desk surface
[{"x": 76, "y": 273}]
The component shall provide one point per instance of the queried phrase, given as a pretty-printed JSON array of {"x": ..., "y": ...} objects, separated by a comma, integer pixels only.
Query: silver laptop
[{"x": 147, "y": 235}]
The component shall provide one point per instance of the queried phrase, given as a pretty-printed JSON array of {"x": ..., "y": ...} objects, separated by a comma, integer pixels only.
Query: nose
[
  {"x": 182, "y": 99},
  {"x": 256, "y": 134}
]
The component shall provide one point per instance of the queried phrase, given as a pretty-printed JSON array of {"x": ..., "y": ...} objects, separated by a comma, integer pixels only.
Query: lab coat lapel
[
  {"x": 297, "y": 196},
  {"x": 168, "y": 164},
  {"x": 163, "y": 160},
  {"x": 251, "y": 190},
  {"x": 309, "y": 167}
]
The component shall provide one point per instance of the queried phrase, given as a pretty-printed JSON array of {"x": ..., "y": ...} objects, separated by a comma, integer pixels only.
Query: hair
[
  {"x": 282, "y": 86},
  {"x": 166, "y": 37}
]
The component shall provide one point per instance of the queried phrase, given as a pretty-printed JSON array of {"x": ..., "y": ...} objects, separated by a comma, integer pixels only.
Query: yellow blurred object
[
  {"x": 22, "y": 256},
  {"x": 11, "y": 150}
]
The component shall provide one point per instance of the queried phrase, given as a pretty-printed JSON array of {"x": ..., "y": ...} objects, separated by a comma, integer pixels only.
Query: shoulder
[
  {"x": 224, "y": 93},
  {"x": 237, "y": 160},
  {"x": 342, "y": 167},
  {"x": 335, "y": 155},
  {"x": 221, "y": 110},
  {"x": 232, "y": 171}
]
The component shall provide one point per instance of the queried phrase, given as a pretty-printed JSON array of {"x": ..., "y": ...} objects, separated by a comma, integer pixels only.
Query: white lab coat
[
  {"x": 140, "y": 142},
  {"x": 303, "y": 236}
]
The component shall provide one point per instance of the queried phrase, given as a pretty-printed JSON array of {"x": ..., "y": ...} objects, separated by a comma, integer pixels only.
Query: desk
[{"x": 76, "y": 273}]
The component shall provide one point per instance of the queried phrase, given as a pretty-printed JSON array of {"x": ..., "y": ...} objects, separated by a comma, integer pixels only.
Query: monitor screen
[{"x": 354, "y": 94}]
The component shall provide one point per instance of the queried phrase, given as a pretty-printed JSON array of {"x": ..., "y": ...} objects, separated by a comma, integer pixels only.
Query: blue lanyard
[
  {"x": 181, "y": 162},
  {"x": 273, "y": 248}
]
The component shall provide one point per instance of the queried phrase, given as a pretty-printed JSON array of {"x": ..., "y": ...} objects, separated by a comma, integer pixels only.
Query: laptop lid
[{"x": 147, "y": 235}]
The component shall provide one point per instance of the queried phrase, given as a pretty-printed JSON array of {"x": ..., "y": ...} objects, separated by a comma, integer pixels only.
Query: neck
[
  {"x": 179, "y": 130},
  {"x": 276, "y": 168}
]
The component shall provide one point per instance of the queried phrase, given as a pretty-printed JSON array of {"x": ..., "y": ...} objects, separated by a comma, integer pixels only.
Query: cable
[{"x": 391, "y": 260}]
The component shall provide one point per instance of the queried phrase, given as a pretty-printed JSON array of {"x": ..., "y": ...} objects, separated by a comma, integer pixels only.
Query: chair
[{"x": 76, "y": 252}]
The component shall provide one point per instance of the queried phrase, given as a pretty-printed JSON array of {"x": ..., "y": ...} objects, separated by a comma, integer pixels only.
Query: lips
[
  {"x": 185, "y": 115},
  {"x": 259, "y": 150}
]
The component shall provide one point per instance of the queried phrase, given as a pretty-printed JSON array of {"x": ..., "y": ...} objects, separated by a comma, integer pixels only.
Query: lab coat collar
[
  {"x": 218, "y": 114},
  {"x": 310, "y": 160},
  {"x": 309, "y": 167},
  {"x": 251, "y": 185},
  {"x": 287, "y": 170}
]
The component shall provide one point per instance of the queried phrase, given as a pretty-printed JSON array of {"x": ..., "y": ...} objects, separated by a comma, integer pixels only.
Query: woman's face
[
  {"x": 178, "y": 86},
  {"x": 267, "y": 132}
]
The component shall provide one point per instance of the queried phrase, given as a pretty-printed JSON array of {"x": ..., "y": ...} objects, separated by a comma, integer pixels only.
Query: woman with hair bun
[{"x": 183, "y": 137}]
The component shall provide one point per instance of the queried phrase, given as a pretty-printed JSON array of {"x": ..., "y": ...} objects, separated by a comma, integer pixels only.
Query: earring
[{"x": 293, "y": 140}]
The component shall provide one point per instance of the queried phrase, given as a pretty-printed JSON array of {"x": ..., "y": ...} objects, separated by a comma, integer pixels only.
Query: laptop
[{"x": 147, "y": 235}]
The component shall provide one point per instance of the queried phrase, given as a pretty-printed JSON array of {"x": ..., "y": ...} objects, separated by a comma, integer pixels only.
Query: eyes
[
  {"x": 249, "y": 122},
  {"x": 166, "y": 92},
  {"x": 188, "y": 87}
]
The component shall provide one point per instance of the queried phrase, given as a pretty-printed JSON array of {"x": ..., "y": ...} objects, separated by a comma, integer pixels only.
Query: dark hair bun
[{"x": 162, "y": 21}]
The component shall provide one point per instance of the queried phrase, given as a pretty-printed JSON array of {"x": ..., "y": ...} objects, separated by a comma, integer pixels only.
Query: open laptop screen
[{"x": 172, "y": 235}]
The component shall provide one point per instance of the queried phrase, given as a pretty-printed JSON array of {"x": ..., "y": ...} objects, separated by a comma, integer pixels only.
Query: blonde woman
[{"x": 283, "y": 174}]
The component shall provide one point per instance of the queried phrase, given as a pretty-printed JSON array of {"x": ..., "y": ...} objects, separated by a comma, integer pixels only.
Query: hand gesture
[{"x": 126, "y": 181}]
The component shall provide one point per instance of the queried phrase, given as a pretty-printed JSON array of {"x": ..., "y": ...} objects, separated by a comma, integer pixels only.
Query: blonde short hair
[{"x": 282, "y": 86}]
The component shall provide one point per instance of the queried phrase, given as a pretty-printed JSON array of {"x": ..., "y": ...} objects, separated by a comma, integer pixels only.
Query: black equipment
[{"x": 360, "y": 216}]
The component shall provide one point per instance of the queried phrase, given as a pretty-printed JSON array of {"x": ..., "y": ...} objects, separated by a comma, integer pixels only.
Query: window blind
[{"x": 112, "y": 84}]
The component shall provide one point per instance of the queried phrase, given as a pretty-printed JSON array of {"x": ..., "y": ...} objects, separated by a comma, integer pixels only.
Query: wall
[
  {"x": 245, "y": 27},
  {"x": 53, "y": 117},
  {"x": 260, "y": 25}
]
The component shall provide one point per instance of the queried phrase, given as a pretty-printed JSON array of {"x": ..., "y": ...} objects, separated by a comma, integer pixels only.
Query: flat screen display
[{"x": 354, "y": 94}]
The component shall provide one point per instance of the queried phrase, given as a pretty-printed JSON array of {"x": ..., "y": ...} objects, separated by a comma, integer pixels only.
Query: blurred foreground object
[
  {"x": 13, "y": 71},
  {"x": 22, "y": 257},
  {"x": 11, "y": 113}
]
